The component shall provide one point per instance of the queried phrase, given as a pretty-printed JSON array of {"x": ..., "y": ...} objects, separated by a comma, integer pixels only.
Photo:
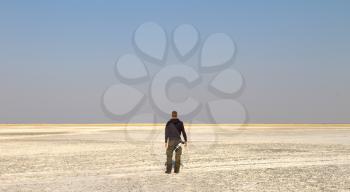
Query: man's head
[{"x": 174, "y": 115}]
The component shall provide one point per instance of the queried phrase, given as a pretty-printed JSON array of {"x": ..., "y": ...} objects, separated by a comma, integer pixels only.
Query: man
[{"x": 173, "y": 130}]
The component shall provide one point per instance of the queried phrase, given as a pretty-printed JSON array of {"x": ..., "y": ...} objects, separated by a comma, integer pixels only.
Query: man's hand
[
  {"x": 186, "y": 144},
  {"x": 166, "y": 145}
]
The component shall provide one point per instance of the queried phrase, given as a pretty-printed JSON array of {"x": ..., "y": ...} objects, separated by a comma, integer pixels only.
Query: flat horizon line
[{"x": 191, "y": 124}]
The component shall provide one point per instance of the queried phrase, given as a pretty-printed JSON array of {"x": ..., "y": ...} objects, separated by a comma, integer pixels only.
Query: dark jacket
[{"x": 173, "y": 130}]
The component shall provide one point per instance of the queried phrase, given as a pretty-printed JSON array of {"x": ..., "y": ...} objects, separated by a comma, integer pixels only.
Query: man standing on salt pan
[{"x": 173, "y": 130}]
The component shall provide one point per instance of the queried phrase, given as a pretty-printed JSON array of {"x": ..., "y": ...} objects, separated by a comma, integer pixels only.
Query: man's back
[{"x": 174, "y": 128}]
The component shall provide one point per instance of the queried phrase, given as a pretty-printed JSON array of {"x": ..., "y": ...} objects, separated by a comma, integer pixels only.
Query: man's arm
[{"x": 166, "y": 135}]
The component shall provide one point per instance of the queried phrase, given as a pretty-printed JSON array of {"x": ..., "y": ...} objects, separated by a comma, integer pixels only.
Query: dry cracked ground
[{"x": 116, "y": 158}]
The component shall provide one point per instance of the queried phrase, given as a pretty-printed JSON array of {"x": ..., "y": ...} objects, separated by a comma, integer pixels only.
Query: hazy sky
[{"x": 57, "y": 57}]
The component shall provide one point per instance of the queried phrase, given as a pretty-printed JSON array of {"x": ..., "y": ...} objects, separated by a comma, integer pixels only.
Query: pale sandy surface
[{"x": 63, "y": 158}]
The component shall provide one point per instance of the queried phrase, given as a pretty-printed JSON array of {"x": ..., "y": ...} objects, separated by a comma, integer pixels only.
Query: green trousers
[{"x": 169, "y": 154}]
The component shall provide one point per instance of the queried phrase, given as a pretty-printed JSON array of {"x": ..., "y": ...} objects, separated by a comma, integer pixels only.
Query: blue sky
[{"x": 57, "y": 57}]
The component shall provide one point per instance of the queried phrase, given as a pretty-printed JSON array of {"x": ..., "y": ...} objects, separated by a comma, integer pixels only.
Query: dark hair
[{"x": 174, "y": 114}]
